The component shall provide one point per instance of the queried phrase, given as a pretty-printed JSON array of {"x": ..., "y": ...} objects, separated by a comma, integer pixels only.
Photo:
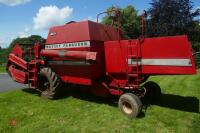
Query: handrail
[{"x": 118, "y": 14}]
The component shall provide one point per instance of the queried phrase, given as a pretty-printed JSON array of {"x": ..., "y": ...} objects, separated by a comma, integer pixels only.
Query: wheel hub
[{"x": 127, "y": 107}]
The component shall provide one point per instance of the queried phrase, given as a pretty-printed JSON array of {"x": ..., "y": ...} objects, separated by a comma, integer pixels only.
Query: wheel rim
[{"x": 127, "y": 108}]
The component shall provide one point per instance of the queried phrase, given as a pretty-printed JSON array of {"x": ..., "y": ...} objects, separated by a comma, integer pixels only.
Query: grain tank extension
[{"x": 96, "y": 55}]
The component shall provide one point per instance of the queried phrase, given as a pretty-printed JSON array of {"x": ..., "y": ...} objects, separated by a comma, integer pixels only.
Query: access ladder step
[
  {"x": 133, "y": 75},
  {"x": 32, "y": 79},
  {"x": 134, "y": 65}
]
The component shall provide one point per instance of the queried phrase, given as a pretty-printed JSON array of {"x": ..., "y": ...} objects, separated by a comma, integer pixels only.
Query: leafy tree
[
  {"x": 27, "y": 41},
  {"x": 173, "y": 17},
  {"x": 195, "y": 37},
  {"x": 24, "y": 43},
  {"x": 130, "y": 24}
]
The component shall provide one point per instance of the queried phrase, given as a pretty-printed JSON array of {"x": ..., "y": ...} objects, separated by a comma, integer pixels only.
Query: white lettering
[{"x": 68, "y": 45}]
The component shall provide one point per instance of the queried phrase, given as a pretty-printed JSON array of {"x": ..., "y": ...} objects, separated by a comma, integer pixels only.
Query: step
[
  {"x": 134, "y": 65},
  {"x": 32, "y": 79},
  {"x": 133, "y": 75},
  {"x": 32, "y": 86}
]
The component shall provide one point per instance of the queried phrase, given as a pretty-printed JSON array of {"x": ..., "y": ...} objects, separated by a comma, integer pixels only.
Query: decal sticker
[{"x": 68, "y": 45}]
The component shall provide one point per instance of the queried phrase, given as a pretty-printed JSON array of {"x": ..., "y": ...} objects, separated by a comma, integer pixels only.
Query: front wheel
[
  {"x": 130, "y": 105},
  {"x": 49, "y": 83}
]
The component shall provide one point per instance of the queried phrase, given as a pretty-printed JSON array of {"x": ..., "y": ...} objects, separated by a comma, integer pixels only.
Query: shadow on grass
[
  {"x": 79, "y": 92},
  {"x": 187, "y": 104},
  {"x": 31, "y": 91},
  {"x": 83, "y": 93}
]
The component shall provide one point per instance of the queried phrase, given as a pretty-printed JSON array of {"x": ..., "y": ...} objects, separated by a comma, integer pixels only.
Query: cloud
[
  {"x": 14, "y": 2},
  {"x": 2, "y": 43},
  {"x": 51, "y": 15},
  {"x": 22, "y": 35}
]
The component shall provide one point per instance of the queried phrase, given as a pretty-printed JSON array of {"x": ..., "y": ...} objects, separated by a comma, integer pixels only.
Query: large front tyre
[
  {"x": 49, "y": 83},
  {"x": 130, "y": 105}
]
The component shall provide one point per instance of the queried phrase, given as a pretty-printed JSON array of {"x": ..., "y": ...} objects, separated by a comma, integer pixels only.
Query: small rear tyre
[
  {"x": 153, "y": 90},
  {"x": 49, "y": 83},
  {"x": 130, "y": 105}
]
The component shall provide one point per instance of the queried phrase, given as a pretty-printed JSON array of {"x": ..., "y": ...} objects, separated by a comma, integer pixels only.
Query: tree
[
  {"x": 27, "y": 41},
  {"x": 130, "y": 24},
  {"x": 172, "y": 17}
]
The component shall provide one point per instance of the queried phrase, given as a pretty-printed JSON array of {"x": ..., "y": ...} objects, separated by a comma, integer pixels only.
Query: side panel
[
  {"x": 156, "y": 56},
  {"x": 116, "y": 56},
  {"x": 167, "y": 55},
  {"x": 79, "y": 71}
]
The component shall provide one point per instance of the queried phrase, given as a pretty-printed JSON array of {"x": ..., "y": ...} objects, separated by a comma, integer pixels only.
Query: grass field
[
  {"x": 177, "y": 112},
  {"x": 2, "y": 69}
]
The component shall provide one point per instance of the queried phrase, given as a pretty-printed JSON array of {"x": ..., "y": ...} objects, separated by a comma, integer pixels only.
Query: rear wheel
[
  {"x": 153, "y": 90},
  {"x": 130, "y": 105},
  {"x": 49, "y": 83}
]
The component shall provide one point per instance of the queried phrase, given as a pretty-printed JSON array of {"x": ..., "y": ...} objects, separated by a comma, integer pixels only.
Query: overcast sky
[{"x": 21, "y": 18}]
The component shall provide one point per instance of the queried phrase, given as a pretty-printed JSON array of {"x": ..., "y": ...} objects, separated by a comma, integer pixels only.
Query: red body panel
[
  {"x": 80, "y": 71},
  {"x": 17, "y": 51},
  {"x": 18, "y": 61},
  {"x": 81, "y": 31},
  {"x": 18, "y": 75},
  {"x": 177, "y": 47},
  {"x": 79, "y": 55},
  {"x": 150, "y": 49}
]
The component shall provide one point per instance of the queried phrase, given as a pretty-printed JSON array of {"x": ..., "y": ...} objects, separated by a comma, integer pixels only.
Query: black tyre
[
  {"x": 153, "y": 90},
  {"x": 130, "y": 105},
  {"x": 49, "y": 83}
]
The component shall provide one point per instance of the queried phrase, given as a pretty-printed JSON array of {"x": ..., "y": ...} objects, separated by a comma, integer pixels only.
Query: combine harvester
[{"x": 95, "y": 55}]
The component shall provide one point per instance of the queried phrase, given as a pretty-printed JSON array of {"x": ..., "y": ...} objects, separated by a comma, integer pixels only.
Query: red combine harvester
[{"x": 95, "y": 55}]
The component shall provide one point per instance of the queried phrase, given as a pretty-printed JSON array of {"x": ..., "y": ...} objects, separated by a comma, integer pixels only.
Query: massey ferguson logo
[{"x": 68, "y": 45}]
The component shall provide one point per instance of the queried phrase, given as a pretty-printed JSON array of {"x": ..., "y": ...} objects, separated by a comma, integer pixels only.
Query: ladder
[
  {"x": 134, "y": 64},
  {"x": 32, "y": 74}
]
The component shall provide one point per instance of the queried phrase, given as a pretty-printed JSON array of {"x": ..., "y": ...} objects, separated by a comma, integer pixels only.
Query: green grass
[
  {"x": 177, "y": 112},
  {"x": 2, "y": 69}
]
